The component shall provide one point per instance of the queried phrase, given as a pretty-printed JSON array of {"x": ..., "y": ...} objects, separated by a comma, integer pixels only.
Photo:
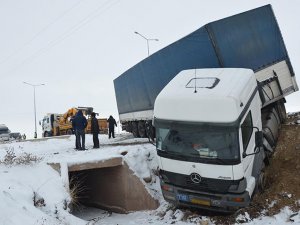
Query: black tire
[
  {"x": 142, "y": 129},
  {"x": 69, "y": 132},
  {"x": 282, "y": 111},
  {"x": 135, "y": 130},
  {"x": 268, "y": 157},
  {"x": 261, "y": 182},
  {"x": 150, "y": 131},
  {"x": 47, "y": 134}
]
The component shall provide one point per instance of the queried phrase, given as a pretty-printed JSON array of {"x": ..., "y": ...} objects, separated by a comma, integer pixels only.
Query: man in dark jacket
[
  {"x": 95, "y": 130},
  {"x": 73, "y": 130},
  {"x": 79, "y": 123},
  {"x": 111, "y": 127}
]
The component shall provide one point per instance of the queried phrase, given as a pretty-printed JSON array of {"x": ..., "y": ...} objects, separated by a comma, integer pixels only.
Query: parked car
[
  {"x": 4, "y": 133},
  {"x": 15, "y": 136}
]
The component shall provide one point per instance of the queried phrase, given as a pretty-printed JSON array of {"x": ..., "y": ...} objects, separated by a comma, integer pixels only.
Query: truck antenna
[{"x": 195, "y": 81}]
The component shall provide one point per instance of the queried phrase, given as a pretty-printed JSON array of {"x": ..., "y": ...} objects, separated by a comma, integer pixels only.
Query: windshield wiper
[
  {"x": 224, "y": 161},
  {"x": 211, "y": 159}
]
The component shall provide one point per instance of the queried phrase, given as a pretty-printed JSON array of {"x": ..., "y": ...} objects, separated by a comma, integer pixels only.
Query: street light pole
[
  {"x": 148, "y": 47},
  {"x": 34, "y": 85},
  {"x": 147, "y": 39}
]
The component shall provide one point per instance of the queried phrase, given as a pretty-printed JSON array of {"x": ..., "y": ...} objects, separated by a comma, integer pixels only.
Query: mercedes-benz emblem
[{"x": 196, "y": 178}]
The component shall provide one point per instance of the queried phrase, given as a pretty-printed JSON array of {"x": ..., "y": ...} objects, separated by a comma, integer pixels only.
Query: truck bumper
[{"x": 205, "y": 200}]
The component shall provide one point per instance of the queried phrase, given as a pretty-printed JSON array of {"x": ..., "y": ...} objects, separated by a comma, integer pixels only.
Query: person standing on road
[
  {"x": 95, "y": 130},
  {"x": 73, "y": 130},
  {"x": 111, "y": 127},
  {"x": 79, "y": 123}
]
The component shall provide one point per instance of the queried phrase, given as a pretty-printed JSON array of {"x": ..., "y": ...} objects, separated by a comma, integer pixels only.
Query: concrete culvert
[{"x": 109, "y": 185}]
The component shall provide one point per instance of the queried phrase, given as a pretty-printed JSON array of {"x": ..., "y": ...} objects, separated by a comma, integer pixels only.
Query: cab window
[{"x": 247, "y": 130}]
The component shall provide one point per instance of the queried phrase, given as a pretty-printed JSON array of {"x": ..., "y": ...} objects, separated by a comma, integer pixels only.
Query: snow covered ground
[{"x": 32, "y": 193}]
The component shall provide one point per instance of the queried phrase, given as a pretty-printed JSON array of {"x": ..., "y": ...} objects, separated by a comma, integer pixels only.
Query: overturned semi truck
[
  {"x": 248, "y": 40},
  {"x": 216, "y": 98}
]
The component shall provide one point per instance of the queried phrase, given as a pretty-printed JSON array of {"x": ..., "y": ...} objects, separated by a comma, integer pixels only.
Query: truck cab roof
[{"x": 206, "y": 95}]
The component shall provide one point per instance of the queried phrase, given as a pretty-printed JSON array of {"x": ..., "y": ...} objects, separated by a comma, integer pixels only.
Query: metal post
[
  {"x": 148, "y": 46},
  {"x": 34, "y": 104},
  {"x": 35, "y": 132},
  {"x": 147, "y": 39}
]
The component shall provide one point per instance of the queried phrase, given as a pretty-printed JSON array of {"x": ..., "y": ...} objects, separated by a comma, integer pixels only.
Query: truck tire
[
  {"x": 261, "y": 182},
  {"x": 69, "y": 132},
  {"x": 282, "y": 111},
  {"x": 142, "y": 129},
  {"x": 150, "y": 130},
  {"x": 46, "y": 134},
  {"x": 135, "y": 130}
]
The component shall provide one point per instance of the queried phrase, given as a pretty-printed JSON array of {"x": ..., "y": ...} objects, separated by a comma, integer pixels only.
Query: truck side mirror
[
  {"x": 258, "y": 143},
  {"x": 259, "y": 139}
]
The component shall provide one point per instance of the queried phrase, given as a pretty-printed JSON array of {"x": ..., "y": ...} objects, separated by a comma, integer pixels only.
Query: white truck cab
[
  {"x": 210, "y": 137},
  {"x": 48, "y": 123}
]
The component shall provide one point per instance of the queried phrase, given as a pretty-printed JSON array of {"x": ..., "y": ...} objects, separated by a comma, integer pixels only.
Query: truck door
[{"x": 247, "y": 141}]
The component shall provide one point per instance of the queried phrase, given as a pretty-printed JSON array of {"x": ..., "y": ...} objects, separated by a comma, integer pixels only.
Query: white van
[{"x": 4, "y": 133}]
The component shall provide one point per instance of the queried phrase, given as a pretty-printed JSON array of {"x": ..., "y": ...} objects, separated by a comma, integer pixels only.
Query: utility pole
[
  {"x": 34, "y": 86},
  {"x": 147, "y": 39}
]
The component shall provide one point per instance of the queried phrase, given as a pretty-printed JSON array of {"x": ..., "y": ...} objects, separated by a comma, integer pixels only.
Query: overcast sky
[{"x": 78, "y": 47}]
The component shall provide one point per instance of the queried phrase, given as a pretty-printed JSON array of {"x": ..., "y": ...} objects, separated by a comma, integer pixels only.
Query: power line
[
  {"x": 66, "y": 34},
  {"x": 35, "y": 36}
]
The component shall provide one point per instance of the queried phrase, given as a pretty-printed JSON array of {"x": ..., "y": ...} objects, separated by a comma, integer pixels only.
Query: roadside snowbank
[{"x": 22, "y": 184}]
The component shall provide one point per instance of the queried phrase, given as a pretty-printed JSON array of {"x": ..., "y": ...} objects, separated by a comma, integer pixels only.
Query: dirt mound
[{"x": 282, "y": 177}]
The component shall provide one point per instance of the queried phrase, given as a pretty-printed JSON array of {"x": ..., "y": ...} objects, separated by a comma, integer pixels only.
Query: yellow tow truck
[{"x": 54, "y": 124}]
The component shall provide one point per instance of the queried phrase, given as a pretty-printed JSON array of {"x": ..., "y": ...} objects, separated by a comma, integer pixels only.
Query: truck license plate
[
  {"x": 183, "y": 197},
  {"x": 200, "y": 201}
]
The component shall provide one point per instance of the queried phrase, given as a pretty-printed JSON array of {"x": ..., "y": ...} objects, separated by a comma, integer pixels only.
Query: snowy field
[{"x": 32, "y": 193}]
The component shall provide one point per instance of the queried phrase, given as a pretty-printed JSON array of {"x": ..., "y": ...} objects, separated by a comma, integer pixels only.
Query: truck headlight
[{"x": 167, "y": 188}]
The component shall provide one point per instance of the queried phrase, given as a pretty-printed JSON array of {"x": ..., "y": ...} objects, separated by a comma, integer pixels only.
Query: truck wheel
[
  {"x": 69, "y": 132},
  {"x": 267, "y": 158},
  {"x": 135, "y": 130},
  {"x": 150, "y": 131},
  {"x": 282, "y": 111},
  {"x": 46, "y": 134},
  {"x": 141, "y": 129},
  {"x": 261, "y": 182}
]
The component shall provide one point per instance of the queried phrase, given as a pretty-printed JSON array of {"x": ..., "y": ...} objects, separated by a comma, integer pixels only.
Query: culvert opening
[
  {"x": 108, "y": 185},
  {"x": 99, "y": 188}
]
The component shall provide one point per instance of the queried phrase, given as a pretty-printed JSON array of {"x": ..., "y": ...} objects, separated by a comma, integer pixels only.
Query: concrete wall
[{"x": 114, "y": 188}]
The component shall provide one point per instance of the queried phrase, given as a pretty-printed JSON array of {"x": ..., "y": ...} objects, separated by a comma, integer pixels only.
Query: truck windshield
[{"x": 198, "y": 143}]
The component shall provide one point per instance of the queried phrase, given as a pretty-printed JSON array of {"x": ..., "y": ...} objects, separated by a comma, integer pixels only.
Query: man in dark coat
[
  {"x": 73, "y": 130},
  {"x": 79, "y": 123},
  {"x": 111, "y": 127},
  {"x": 95, "y": 130}
]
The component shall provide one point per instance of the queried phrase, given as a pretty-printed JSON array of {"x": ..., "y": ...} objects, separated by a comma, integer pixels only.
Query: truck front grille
[{"x": 206, "y": 184}]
